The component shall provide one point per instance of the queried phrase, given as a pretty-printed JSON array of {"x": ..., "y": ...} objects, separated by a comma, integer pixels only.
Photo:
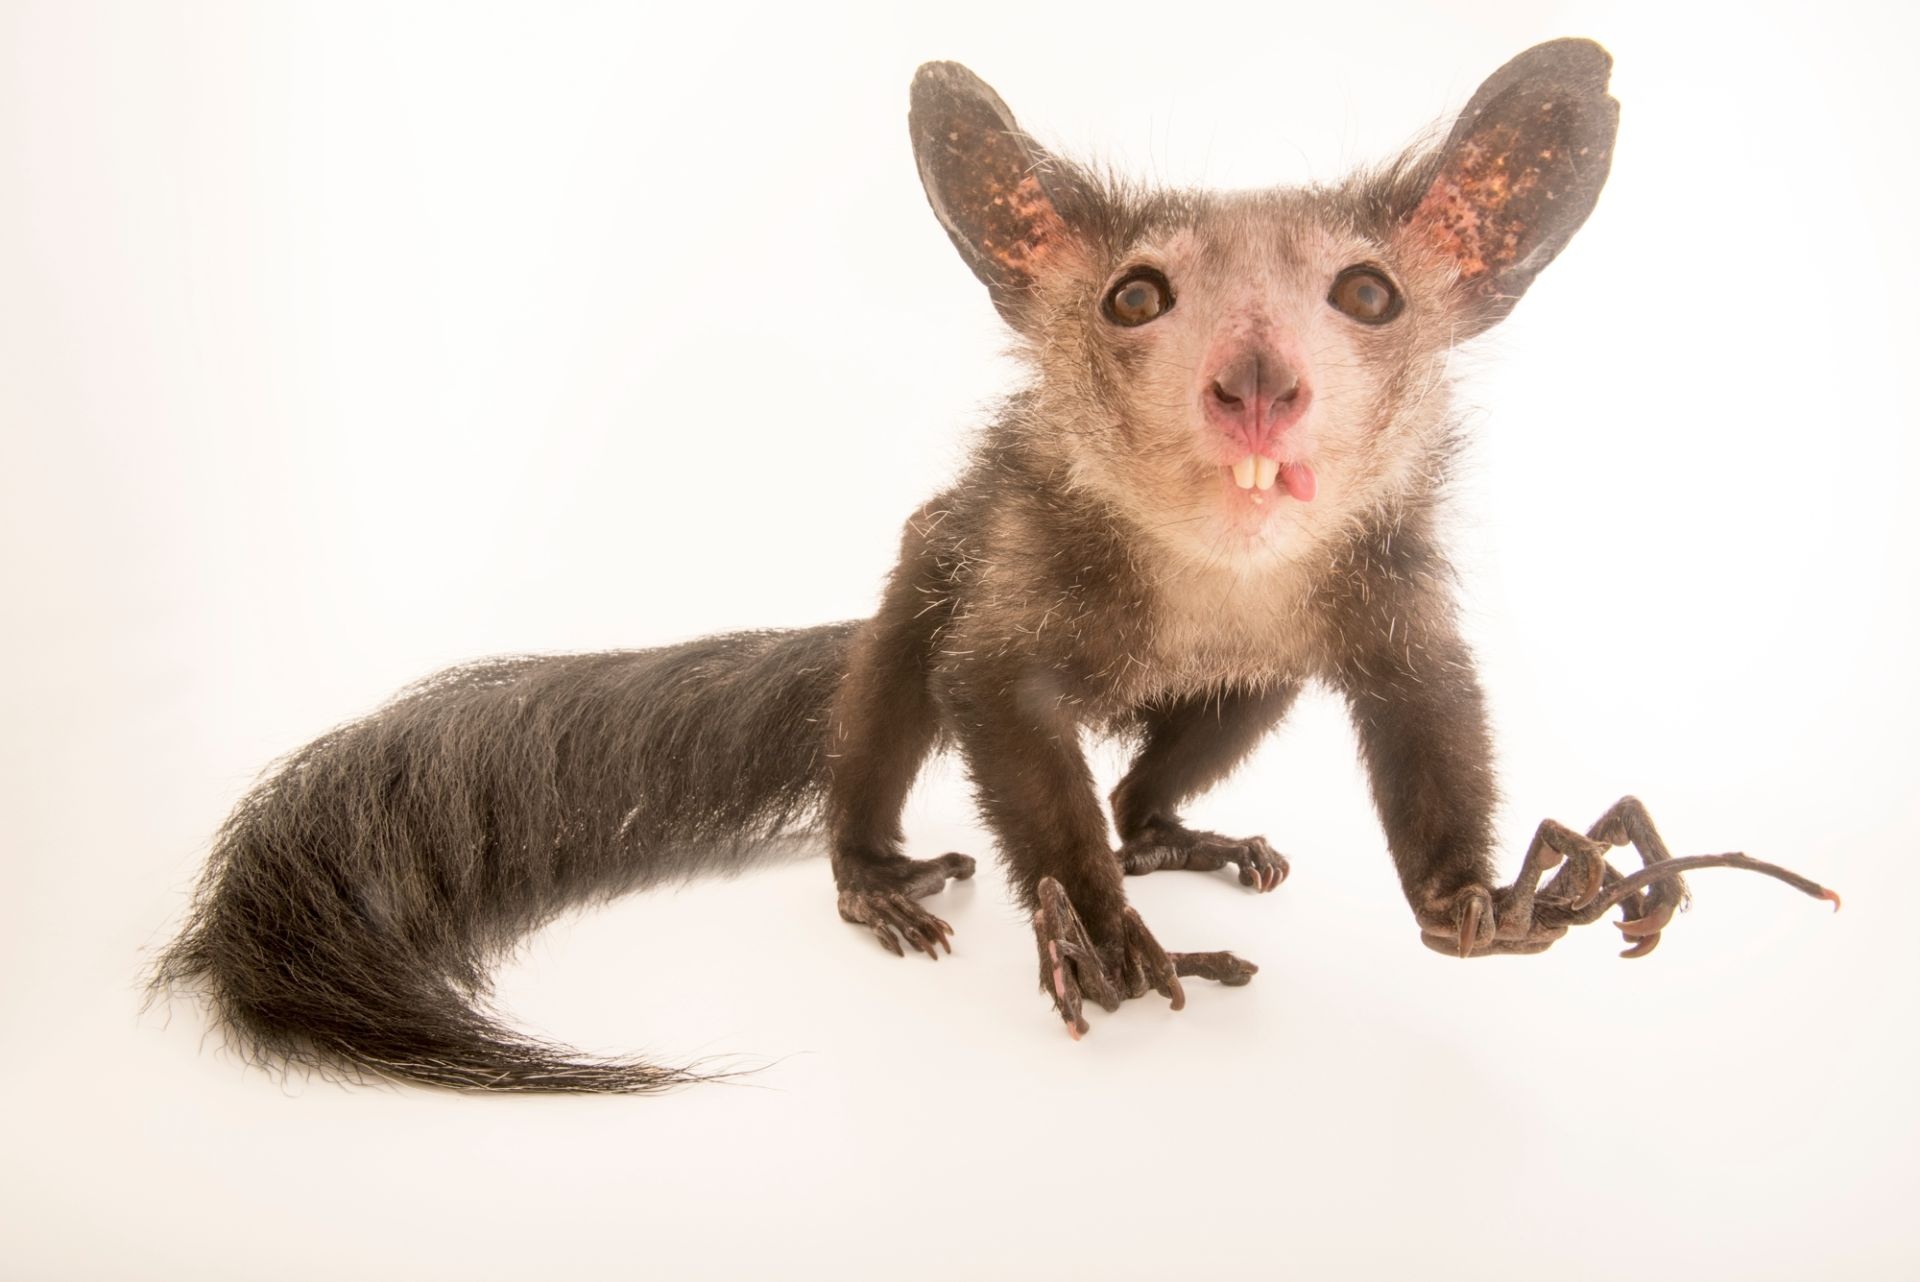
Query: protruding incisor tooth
[
  {"x": 1264, "y": 470},
  {"x": 1243, "y": 473}
]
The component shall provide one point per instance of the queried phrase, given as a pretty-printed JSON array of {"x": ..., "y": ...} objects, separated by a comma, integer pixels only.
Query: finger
[
  {"x": 1470, "y": 925},
  {"x": 1222, "y": 968},
  {"x": 1090, "y": 974},
  {"x": 920, "y": 929},
  {"x": 1066, "y": 996},
  {"x": 1159, "y": 970},
  {"x": 957, "y": 866},
  {"x": 1448, "y": 945},
  {"x": 1597, "y": 870}
]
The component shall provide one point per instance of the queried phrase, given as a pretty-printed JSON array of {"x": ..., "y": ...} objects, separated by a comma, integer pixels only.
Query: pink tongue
[{"x": 1299, "y": 480}]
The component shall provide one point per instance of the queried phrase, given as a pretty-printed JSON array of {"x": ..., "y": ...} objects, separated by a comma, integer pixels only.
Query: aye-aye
[{"x": 1219, "y": 484}]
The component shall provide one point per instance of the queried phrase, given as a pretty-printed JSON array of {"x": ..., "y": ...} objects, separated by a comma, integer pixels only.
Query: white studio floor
[
  {"x": 335, "y": 349},
  {"x": 1732, "y": 1107}
]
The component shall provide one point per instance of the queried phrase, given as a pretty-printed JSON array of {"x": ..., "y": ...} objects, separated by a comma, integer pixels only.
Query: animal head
[{"x": 1246, "y": 370}]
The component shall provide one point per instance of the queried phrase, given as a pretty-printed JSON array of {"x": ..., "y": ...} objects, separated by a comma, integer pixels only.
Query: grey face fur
[
  {"x": 1143, "y": 424},
  {"x": 1134, "y": 413}
]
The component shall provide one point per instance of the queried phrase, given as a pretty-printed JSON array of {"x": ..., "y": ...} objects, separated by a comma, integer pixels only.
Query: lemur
[{"x": 1217, "y": 485}]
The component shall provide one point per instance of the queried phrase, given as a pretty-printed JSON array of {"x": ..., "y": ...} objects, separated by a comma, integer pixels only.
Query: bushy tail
[{"x": 356, "y": 896}]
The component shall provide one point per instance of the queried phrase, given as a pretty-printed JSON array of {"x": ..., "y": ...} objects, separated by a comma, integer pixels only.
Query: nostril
[
  {"x": 1225, "y": 397},
  {"x": 1290, "y": 393}
]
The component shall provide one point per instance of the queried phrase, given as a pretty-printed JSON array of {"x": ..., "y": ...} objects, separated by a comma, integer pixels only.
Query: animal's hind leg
[
  {"x": 884, "y": 723},
  {"x": 883, "y": 729},
  {"x": 1190, "y": 745},
  {"x": 882, "y": 733}
]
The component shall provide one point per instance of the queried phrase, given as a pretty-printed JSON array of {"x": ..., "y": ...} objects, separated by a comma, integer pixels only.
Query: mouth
[{"x": 1258, "y": 474}]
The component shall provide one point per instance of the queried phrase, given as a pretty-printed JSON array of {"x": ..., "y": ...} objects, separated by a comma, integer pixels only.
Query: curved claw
[
  {"x": 1538, "y": 943},
  {"x": 888, "y": 914},
  {"x": 1467, "y": 922},
  {"x": 1066, "y": 994},
  {"x": 879, "y": 891},
  {"x": 1470, "y": 926},
  {"x": 1596, "y": 876},
  {"x": 1477, "y": 922},
  {"x": 1659, "y": 917},
  {"x": 1148, "y": 964},
  {"x": 1074, "y": 968},
  {"x": 1645, "y": 945}
]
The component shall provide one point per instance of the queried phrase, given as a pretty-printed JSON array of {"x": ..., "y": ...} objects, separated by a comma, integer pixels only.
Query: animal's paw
[
  {"x": 1527, "y": 917},
  {"x": 881, "y": 895},
  {"x": 1470, "y": 922},
  {"x": 1073, "y": 969},
  {"x": 1165, "y": 845}
]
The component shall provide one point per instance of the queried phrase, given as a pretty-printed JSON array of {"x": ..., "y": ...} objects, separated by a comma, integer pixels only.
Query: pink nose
[{"x": 1255, "y": 397}]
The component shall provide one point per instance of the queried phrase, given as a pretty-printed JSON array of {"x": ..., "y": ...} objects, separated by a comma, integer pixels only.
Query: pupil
[
  {"x": 1134, "y": 299},
  {"x": 1365, "y": 294}
]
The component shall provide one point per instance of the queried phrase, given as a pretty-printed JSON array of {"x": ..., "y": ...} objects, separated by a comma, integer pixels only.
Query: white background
[{"x": 339, "y": 342}]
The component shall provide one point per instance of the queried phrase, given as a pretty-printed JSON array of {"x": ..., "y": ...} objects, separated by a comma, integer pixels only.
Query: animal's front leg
[
  {"x": 1022, "y": 750},
  {"x": 881, "y": 728},
  {"x": 1424, "y": 735},
  {"x": 1422, "y": 724}
]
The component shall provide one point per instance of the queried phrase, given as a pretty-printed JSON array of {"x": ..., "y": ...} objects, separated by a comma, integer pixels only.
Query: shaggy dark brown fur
[
  {"x": 1105, "y": 563},
  {"x": 354, "y": 899}
]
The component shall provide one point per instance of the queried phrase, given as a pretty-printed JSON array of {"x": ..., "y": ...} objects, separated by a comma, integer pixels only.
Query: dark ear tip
[
  {"x": 947, "y": 78},
  {"x": 1572, "y": 60},
  {"x": 944, "y": 91}
]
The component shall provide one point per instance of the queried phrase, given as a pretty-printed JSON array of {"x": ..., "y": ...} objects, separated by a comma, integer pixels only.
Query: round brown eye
[
  {"x": 1365, "y": 295},
  {"x": 1139, "y": 297}
]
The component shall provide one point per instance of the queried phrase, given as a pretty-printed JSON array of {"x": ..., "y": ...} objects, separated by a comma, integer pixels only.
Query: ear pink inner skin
[
  {"x": 1033, "y": 232},
  {"x": 1469, "y": 214}
]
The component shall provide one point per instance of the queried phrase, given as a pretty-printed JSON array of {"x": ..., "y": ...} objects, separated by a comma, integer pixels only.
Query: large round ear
[
  {"x": 1519, "y": 173},
  {"x": 987, "y": 182}
]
